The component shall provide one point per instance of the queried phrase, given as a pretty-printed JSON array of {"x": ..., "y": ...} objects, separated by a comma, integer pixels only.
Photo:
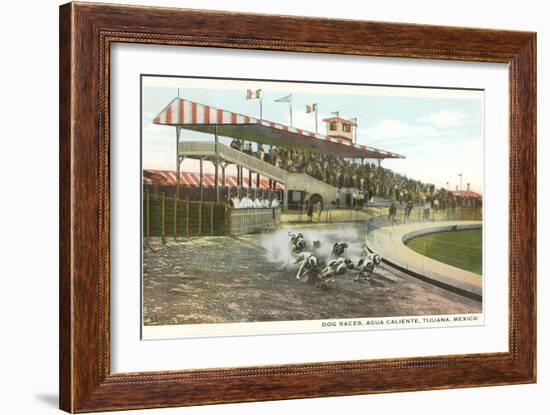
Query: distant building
[{"x": 467, "y": 198}]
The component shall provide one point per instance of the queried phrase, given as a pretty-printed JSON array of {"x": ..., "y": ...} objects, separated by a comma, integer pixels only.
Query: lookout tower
[{"x": 338, "y": 127}]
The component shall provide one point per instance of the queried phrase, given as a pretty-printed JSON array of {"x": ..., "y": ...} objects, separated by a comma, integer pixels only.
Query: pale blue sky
[{"x": 441, "y": 135}]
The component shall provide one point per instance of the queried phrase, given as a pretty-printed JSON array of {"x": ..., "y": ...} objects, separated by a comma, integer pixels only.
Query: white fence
[{"x": 242, "y": 221}]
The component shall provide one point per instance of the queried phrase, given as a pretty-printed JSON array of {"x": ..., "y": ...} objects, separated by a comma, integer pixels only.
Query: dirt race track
[{"x": 247, "y": 278}]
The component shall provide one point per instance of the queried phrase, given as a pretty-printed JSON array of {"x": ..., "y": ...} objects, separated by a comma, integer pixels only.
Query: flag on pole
[
  {"x": 288, "y": 98},
  {"x": 311, "y": 108},
  {"x": 336, "y": 113},
  {"x": 251, "y": 94},
  {"x": 255, "y": 94}
]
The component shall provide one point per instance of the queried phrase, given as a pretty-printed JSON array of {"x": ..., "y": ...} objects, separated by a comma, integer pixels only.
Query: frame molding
[{"x": 86, "y": 33}]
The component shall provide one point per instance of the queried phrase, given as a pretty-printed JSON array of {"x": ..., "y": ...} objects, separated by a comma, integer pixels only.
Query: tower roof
[{"x": 341, "y": 120}]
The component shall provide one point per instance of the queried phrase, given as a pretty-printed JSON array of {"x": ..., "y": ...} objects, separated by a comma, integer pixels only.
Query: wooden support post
[
  {"x": 216, "y": 179},
  {"x": 200, "y": 217},
  {"x": 200, "y": 176},
  {"x": 249, "y": 180},
  {"x": 147, "y": 218},
  {"x": 239, "y": 180},
  {"x": 187, "y": 217},
  {"x": 162, "y": 217},
  {"x": 227, "y": 219},
  {"x": 211, "y": 218},
  {"x": 175, "y": 219},
  {"x": 178, "y": 161},
  {"x": 216, "y": 163}
]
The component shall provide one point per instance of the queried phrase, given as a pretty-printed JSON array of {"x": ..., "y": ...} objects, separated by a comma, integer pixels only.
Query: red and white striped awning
[
  {"x": 198, "y": 117},
  {"x": 163, "y": 177}
]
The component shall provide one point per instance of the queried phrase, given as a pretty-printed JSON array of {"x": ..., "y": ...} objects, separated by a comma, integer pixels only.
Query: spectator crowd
[
  {"x": 248, "y": 202},
  {"x": 368, "y": 178}
]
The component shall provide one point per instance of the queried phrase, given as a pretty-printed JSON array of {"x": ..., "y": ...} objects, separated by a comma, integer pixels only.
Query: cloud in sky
[
  {"x": 390, "y": 132},
  {"x": 437, "y": 145},
  {"x": 444, "y": 119}
]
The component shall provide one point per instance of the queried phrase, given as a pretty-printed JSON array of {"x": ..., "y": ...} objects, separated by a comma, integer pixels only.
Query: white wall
[{"x": 28, "y": 298}]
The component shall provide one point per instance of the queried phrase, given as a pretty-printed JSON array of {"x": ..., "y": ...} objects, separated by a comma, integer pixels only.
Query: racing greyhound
[
  {"x": 366, "y": 266},
  {"x": 336, "y": 267},
  {"x": 339, "y": 248},
  {"x": 309, "y": 266}
]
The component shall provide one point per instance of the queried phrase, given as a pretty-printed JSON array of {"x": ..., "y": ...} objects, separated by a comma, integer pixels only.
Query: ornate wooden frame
[{"x": 86, "y": 33}]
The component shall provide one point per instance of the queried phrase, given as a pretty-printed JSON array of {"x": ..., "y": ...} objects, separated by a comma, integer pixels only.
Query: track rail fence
[
  {"x": 379, "y": 214},
  {"x": 168, "y": 218}
]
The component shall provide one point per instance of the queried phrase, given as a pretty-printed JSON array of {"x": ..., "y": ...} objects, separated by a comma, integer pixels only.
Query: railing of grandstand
[{"x": 207, "y": 148}]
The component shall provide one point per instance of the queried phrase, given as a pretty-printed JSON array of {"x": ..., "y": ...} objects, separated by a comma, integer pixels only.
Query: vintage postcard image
[{"x": 273, "y": 207}]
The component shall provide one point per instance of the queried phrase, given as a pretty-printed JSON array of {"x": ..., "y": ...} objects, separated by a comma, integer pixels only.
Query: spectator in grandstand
[
  {"x": 246, "y": 202},
  {"x": 242, "y": 203},
  {"x": 260, "y": 153},
  {"x": 234, "y": 201},
  {"x": 257, "y": 203},
  {"x": 235, "y": 144}
]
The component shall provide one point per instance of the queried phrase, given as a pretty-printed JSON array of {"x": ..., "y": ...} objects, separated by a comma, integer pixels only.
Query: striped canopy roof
[
  {"x": 203, "y": 118},
  {"x": 163, "y": 177}
]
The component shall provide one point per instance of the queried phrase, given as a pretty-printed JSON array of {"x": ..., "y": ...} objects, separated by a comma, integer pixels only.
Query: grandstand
[{"x": 327, "y": 165}]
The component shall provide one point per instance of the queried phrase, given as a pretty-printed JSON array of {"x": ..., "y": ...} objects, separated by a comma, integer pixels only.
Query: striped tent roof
[
  {"x": 163, "y": 177},
  {"x": 199, "y": 117}
]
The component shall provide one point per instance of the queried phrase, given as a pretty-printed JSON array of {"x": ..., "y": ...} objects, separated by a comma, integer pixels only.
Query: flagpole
[
  {"x": 261, "y": 117},
  {"x": 290, "y": 108},
  {"x": 316, "y": 118}
]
